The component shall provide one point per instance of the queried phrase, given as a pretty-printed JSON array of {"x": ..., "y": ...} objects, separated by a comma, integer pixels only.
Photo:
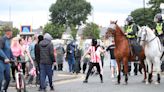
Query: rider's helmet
[
  {"x": 129, "y": 20},
  {"x": 158, "y": 18}
]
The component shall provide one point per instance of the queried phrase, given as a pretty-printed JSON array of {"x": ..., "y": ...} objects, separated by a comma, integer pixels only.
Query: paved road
[{"x": 94, "y": 85}]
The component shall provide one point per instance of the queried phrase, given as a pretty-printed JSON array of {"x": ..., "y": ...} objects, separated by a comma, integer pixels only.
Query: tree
[
  {"x": 1, "y": 31},
  {"x": 73, "y": 31},
  {"x": 91, "y": 31},
  {"x": 15, "y": 31},
  {"x": 55, "y": 30},
  {"x": 70, "y": 12},
  {"x": 155, "y": 5},
  {"x": 142, "y": 20}
]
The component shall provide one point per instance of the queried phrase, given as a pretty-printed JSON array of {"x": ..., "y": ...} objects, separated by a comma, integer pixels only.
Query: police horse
[{"x": 153, "y": 51}]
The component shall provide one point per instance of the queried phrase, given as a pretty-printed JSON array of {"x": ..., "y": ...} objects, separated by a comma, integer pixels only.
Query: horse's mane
[
  {"x": 149, "y": 30},
  {"x": 116, "y": 27}
]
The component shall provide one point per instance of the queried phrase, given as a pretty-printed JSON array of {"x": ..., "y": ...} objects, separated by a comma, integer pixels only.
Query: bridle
[{"x": 144, "y": 38}]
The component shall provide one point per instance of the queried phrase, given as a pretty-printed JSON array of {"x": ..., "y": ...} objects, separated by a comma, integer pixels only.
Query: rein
[{"x": 152, "y": 39}]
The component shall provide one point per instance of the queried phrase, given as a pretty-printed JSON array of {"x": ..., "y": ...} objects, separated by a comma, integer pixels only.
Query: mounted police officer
[
  {"x": 159, "y": 27},
  {"x": 131, "y": 30}
]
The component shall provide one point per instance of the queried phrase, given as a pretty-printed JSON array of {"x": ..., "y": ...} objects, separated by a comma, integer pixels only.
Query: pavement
[
  {"x": 67, "y": 82},
  {"x": 58, "y": 76}
]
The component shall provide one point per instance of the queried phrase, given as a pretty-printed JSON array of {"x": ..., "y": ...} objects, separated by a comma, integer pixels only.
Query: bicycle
[{"x": 19, "y": 77}]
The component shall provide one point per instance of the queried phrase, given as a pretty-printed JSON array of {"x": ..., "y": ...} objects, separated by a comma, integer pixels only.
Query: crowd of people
[{"x": 36, "y": 55}]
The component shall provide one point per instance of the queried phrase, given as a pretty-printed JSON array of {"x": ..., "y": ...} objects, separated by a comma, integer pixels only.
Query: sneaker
[
  {"x": 4, "y": 91},
  {"x": 102, "y": 81},
  {"x": 112, "y": 76},
  {"x": 42, "y": 90},
  {"x": 52, "y": 88},
  {"x": 85, "y": 81}
]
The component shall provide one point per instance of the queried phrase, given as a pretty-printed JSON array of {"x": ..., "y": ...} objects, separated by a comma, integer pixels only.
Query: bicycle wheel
[
  {"x": 20, "y": 83},
  {"x": 23, "y": 87}
]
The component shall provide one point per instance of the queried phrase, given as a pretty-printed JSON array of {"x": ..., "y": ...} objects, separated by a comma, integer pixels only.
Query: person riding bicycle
[
  {"x": 159, "y": 27},
  {"x": 131, "y": 30}
]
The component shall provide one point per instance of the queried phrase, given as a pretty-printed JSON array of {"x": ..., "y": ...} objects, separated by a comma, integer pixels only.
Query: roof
[{"x": 38, "y": 31}]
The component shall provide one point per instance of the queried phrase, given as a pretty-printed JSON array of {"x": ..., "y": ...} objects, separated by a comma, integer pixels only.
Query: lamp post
[{"x": 144, "y": 10}]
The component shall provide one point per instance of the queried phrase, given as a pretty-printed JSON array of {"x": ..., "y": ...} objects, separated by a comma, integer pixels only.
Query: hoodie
[{"x": 46, "y": 52}]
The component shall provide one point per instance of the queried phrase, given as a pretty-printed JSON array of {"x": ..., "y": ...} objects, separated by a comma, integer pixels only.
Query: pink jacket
[{"x": 15, "y": 48}]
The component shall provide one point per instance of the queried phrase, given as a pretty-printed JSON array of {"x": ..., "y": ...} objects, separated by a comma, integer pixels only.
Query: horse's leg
[
  {"x": 157, "y": 65},
  {"x": 144, "y": 68},
  {"x": 149, "y": 70},
  {"x": 119, "y": 69},
  {"x": 125, "y": 62}
]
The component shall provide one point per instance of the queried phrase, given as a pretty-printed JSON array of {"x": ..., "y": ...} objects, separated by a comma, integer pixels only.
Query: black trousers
[
  {"x": 60, "y": 67},
  {"x": 13, "y": 69},
  {"x": 91, "y": 65},
  {"x": 84, "y": 67}
]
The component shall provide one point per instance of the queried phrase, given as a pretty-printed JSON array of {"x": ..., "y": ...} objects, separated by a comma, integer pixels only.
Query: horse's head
[
  {"x": 145, "y": 34},
  {"x": 111, "y": 29}
]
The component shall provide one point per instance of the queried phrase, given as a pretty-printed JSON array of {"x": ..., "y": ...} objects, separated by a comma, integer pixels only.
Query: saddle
[{"x": 135, "y": 48}]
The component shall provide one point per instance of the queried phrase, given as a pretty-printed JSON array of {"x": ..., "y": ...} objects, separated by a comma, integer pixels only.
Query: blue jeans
[
  {"x": 4, "y": 74},
  {"x": 45, "y": 70},
  {"x": 71, "y": 63}
]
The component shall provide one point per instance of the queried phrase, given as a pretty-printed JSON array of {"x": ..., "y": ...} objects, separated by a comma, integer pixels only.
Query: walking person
[
  {"x": 70, "y": 56},
  {"x": 5, "y": 57},
  {"x": 78, "y": 54},
  {"x": 113, "y": 63},
  {"x": 32, "y": 54},
  {"x": 23, "y": 54},
  {"x": 17, "y": 52},
  {"x": 95, "y": 60},
  {"x": 59, "y": 56},
  {"x": 37, "y": 58},
  {"x": 46, "y": 50}
]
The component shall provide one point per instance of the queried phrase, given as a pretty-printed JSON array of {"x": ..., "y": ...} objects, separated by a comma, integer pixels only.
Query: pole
[
  {"x": 9, "y": 13},
  {"x": 144, "y": 10}
]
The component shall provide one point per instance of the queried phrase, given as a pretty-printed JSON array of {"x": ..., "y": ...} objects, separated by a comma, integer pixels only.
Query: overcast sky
[{"x": 36, "y": 12}]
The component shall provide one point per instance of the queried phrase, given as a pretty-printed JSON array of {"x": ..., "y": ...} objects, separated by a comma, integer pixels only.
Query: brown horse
[{"x": 122, "y": 51}]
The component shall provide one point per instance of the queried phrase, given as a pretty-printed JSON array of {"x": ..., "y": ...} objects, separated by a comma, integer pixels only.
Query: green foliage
[
  {"x": 138, "y": 14},
  {"x": 155, "y": 5},
  {"x": 73, "y": 31},
  {"x": 70, "y": 12},
  {"x": 15, "y": 32},
  {"x": 91, "y": 31},
  {"x": 142, "y": 20},
  {"x": 55, "y": 30},
  {"x": 1, "y": 31}
]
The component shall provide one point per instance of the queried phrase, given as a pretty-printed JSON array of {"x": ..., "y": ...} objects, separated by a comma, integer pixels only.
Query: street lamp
[{"x": 144, "y": 10}]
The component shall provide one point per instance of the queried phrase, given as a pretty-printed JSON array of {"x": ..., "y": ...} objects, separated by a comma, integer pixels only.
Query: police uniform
[
  {"x": 159, "y": 31},
  {"x": 159, "y": 28},
  {"x": 131, "y": 30}
]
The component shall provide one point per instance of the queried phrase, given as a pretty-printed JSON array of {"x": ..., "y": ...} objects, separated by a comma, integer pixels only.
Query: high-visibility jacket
[
  {"x": 159, "y": 28},
  {"x": 129, "y": 30}
]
